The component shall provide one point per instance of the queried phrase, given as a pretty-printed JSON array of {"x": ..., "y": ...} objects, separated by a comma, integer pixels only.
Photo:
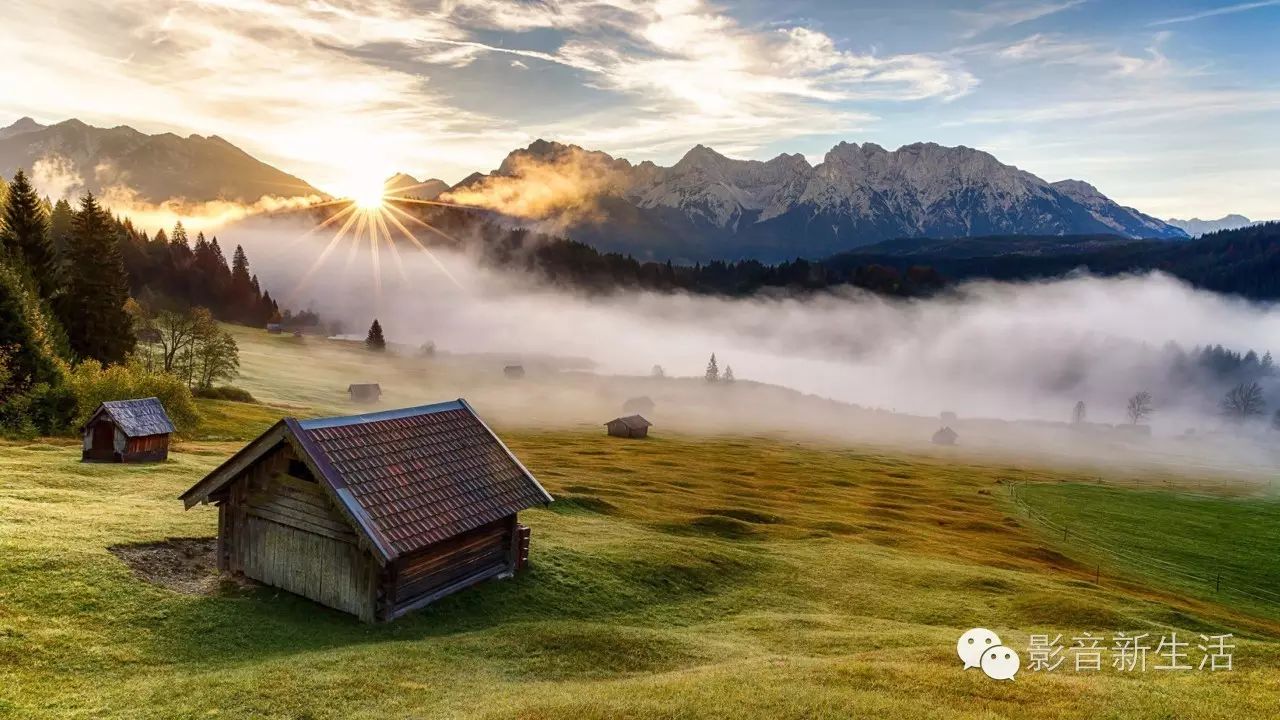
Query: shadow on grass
[{"x": 559, "y": 599}]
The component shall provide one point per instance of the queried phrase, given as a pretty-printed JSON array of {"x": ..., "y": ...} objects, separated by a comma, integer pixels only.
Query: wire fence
[{"x": 1209, "y": 578}]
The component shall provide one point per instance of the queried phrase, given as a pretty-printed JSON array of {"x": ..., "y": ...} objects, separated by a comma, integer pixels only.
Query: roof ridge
[{"x": 395, "y": 414}]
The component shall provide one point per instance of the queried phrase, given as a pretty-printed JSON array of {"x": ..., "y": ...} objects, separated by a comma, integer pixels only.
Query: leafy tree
[
  {"x": 728, "y": 373},
  {"x": 1243, "y": 402},
  {"x": 658, "y": 372},
  {"x": 92, "y": 307},
  {"x": 713, "y": 370},
  {"x": 1140, "y": 406},
  {"x": 1079, "y": 413},
  {"x": 216, "y": 356},
  {"x": 34, "y": 397},
  {"x": 24, "y": 236},
  {"x": 374, "y": 341}
]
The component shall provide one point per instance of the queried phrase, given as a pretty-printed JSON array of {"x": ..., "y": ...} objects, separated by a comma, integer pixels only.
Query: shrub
[
  {"x": 226, "y": 392},
  {"x": 93, "y": 384}
]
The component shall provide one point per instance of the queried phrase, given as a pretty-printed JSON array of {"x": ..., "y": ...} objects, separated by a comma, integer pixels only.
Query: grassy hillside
[
  {"x": 1211, "y": 546},
  {"x": 680, "y": 577}
]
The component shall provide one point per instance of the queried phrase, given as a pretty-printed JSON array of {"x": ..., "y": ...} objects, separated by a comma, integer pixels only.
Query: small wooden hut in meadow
[
  {"x": 945, "y": 436},
  {"x": 376, "y": 515},
  {"x": 127, "y": 431},
  {"x": 638, "y": 405},
  {"x": 275, "y": 328},
  {"x": 364, "y": 392},
  {"x": 631, "y": 426},
  {"x": 514, "y": 372}
]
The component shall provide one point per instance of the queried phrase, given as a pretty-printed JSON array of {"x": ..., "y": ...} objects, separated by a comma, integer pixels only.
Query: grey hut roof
[
  {"x": 358, "y": 387},
  {"x": 136, "y": 418},
  {"x": 407, "y": 478},
  {"x": 632, "y": 422}
]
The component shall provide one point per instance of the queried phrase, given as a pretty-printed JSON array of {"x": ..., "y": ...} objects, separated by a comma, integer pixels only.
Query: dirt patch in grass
[{"x": 185, "y": 565}]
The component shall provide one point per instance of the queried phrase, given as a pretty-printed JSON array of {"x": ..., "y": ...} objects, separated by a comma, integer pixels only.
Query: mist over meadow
[{"x": 993, "y": 350}]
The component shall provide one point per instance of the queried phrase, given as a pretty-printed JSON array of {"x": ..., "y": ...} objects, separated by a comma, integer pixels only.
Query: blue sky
[{"x": 1171, "y": 107}]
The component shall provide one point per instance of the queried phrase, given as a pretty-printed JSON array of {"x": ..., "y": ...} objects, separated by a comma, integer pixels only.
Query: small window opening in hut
[{"x": 298, "y": 469}]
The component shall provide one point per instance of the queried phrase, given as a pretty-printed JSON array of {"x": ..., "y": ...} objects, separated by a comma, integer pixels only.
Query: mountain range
[
  {"x": 1195, "y": 227},
  {"x": 72, "y": 156},
  {"x": 705, "y": 206},
  {"x": 710, "y": 206}
]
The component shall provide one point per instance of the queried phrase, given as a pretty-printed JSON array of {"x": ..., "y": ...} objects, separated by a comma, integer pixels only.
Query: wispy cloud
[
  {"x": 1214, "y": 12},
  {"x": 1010, "y": 13},
  {"x": 359, "y": 84},
  {"x": 1057, "y": 50}
]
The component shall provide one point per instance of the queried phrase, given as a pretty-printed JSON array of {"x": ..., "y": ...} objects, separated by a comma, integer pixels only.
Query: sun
[{"x": 370, "y": 199}]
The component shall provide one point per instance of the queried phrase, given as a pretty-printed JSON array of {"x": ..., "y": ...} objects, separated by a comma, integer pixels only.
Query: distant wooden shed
[
  {"x": 376, "y": 515},
  {"x": 275, "y": 328},
  {"x": 631, "y": 426},
  {"x": 515, "y": 372},
  {"x": 638, "y": 405},
  {"x": 945, "y": 436},
  {"x": 127, "y": 431},
  {"x": 364, "y": 392}
]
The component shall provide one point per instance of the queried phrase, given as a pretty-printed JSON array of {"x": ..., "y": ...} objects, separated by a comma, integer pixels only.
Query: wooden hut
[
  {"x": 631, "y": 426},
  {"x": 275, "y": 328},
  {"x": 377, "y": 514},
  {"x": 638, "y": 405},
  {"x": 127, "y": 431},
  {"x": 514, "y": 372},
  {"x": 945, "y": 436},
  {"x": 364, "y": 392}
]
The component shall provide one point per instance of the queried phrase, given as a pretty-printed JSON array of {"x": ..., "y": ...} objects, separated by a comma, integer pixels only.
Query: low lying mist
[{"x": 988, "y": 352}]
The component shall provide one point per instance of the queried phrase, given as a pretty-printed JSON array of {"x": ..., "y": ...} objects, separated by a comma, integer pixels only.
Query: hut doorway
[{"x": 104, "y": 442}]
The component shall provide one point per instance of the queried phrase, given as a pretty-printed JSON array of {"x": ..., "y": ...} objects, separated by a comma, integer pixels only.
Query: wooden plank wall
[
  {"x": 449, "y": 561},
  {"x": 283, "y": 531}
]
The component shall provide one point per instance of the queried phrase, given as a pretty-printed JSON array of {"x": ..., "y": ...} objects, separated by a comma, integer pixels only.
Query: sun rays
[{"x": 372, "y": 222}]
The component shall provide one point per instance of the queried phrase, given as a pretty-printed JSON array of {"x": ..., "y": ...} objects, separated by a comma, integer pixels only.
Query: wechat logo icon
[{"x": 981, "y": 648}]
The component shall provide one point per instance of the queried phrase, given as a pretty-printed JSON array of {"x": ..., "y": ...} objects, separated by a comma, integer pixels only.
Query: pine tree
[
  {"x": 242, "y": 295},
  {"x": 728, "y": 373},
  {"x": 93, "y": 307},
  {"x": 374, "y": 341},
  {"x": 179, "y": 236},
  {"x": 24, "y": 237},
  {"x": 713, "y": 370}
]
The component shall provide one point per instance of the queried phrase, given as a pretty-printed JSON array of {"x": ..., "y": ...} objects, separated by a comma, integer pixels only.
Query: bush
[
  {"x": 225, "y": 392},
  {"x": 93, "y": 384}
]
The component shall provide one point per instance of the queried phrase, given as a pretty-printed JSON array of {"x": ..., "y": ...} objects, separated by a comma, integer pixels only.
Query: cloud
[
  {"x": 564, "y": 186},
  {"x": 1225, "y": 10},
  {"x": 1010, "y": 13},
  {"x": 1056, "y": 50},
  {"x": 346, "y": 93},
  {"x": 55, "y": 176}
]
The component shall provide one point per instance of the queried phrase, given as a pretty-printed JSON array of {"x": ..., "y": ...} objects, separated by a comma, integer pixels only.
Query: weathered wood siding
[
  {"x": 447, "y": 566},
  {"x": 148, "y": 448},
  {"x": 283, "y": 530}
]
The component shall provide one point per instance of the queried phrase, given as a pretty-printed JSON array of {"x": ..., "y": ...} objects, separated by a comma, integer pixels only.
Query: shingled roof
[
  {"x": 135, "y": 418},
  {"x": 632, "y": 422},
  {"x": 408, "y": 478}
]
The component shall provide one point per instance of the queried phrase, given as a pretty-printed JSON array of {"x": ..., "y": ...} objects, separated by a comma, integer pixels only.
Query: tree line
[{"x": 81, "y": 291}]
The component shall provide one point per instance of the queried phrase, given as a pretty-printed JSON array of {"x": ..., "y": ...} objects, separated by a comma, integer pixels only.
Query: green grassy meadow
[{"x": 678, "y": 577}]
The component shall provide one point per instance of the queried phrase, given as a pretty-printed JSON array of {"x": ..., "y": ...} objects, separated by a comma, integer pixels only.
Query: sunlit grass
[{"x": 679, "y": 577}]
